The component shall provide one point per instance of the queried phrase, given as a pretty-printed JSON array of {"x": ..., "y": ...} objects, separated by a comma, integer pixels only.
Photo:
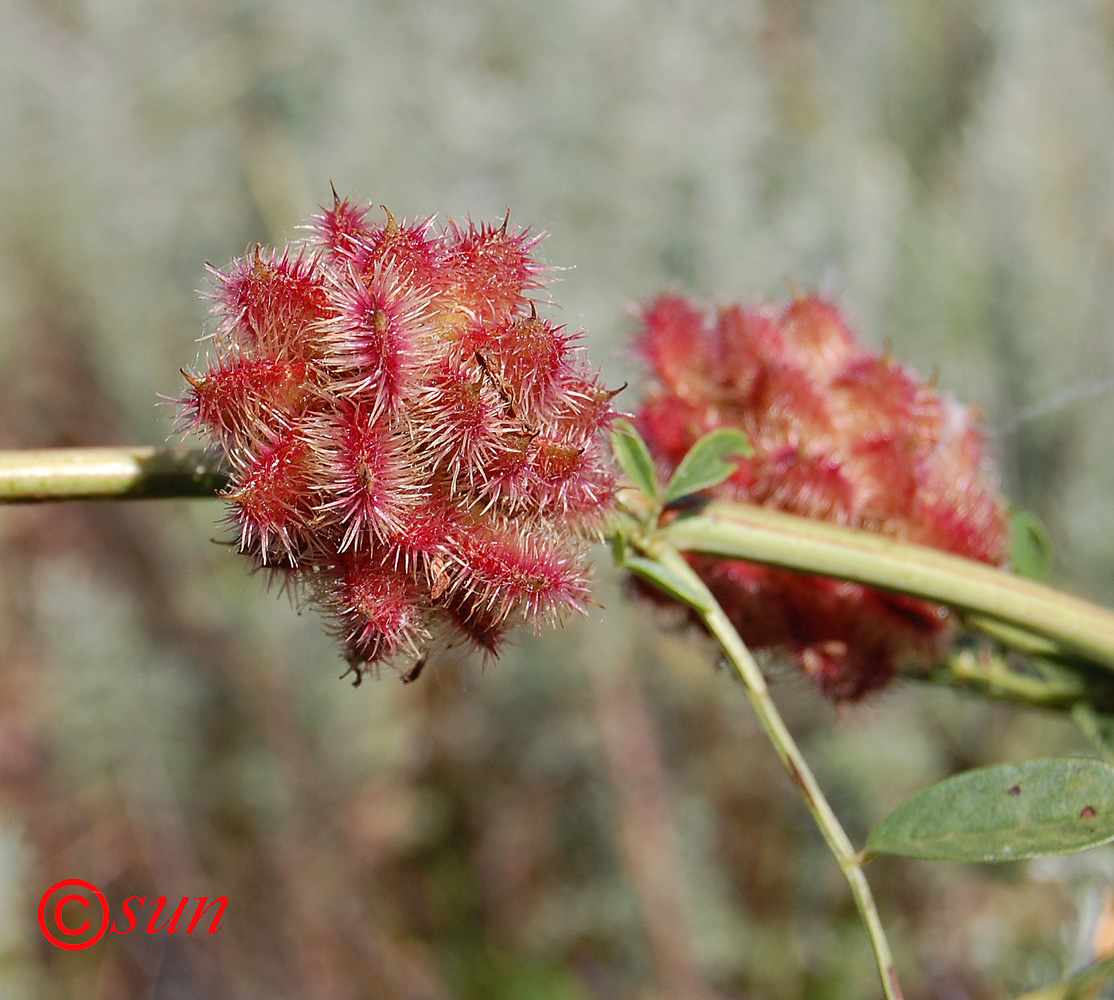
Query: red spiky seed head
[
  {"x": 409, "y": 442},
  {"x": 459, "y": 416},
  {"x": 533, "y": 355},
  {"x": 373, "y": 340},
  {"x": 488, "y": 270},
  {"x": 407, "y": 249},
  {"x": 271, "y": 494},
  {"x": 501, "y": 569},
  {"x": 839, "y": 434},
  {"x": 343, "y": 229},
  {"x": 269, "y": 303},
  {"x": 245, "y": 394},
  {"x": 366, "y": 477}
]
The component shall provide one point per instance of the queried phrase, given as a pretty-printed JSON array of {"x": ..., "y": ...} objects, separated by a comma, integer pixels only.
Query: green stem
[
  {"x": 759, "y": 535},
  {"x": 1045, "y": 684},
  {"x": 791, "y": 757},
  {"x": 107, "y": 473}
]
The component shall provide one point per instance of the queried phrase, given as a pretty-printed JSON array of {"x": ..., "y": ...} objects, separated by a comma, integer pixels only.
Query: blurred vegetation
[{"x": 595, "y": 815}]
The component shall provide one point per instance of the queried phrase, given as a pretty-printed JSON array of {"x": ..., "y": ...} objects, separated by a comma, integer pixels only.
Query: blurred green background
[{"x": 595, "y": 815}]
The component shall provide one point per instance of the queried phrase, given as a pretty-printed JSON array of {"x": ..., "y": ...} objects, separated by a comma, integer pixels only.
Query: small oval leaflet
[
  {"x": 1030, "y": 546},
  {"x": 684, "y": 587},
  {"x": 1006, "y": 812},
  {"x": 1084, "y": 985},
  {"x": 634, "y": 458},
  {"x": 708, "y": 463}
]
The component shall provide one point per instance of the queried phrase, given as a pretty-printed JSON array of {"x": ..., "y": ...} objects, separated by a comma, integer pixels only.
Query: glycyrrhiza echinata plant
[
  {"x": 407, "y": 442},
  {"x": 837, "y": 434},
  {"x": 410, "y": 443}
]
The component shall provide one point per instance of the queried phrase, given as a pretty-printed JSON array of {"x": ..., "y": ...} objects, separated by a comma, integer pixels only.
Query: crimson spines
[
  {"x": 840, "y": 434},
  {"x": 412, "y": 446}
]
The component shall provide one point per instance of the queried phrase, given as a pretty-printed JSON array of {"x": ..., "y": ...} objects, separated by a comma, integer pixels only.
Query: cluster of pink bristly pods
[
  {"x": 410, "y": 444},
  {"x": 416, "y": 450},
  {"x": 839, "y": 434}
]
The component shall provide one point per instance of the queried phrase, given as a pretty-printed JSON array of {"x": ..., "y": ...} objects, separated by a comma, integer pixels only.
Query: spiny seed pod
[
  {"x": 841, "y": 435},
  {"x": 411, "y": 445}
]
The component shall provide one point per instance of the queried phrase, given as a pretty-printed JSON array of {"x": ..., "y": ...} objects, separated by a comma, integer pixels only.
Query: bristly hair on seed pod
[
  {"x": 839, "y": 434},
  {"x": 489, "y": 270},
  {"x": 409, "y": 443},
  {"x": 269, "y": 302}
]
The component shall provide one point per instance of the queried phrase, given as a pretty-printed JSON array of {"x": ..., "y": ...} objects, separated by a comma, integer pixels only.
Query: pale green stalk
[
  {"x": 1044, "y": 684},
  {"x": 107, "y": 473},
  {"x": 741, "y": 531},
  {"x": 1019, "y": 612},
  {"x": 791, "y": 757}
]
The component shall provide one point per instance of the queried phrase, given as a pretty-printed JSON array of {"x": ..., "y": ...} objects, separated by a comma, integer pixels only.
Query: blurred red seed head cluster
[
  {"x": 839, "y": 434},
  {"x": 410, "y": 443}
]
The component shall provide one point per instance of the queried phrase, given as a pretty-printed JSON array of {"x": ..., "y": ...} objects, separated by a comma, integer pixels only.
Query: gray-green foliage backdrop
[{"x": 595, "y": 814}]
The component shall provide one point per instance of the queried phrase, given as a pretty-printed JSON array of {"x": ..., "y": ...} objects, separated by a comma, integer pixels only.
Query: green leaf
[
  {"x": 1004, "y": 813},
  {"x": 683, "y": 587},
  {"x": 1030, "y": 546},
  {"x": 634, "y": 457},
  {"x": 1084, "y": 985},
  {"x": 708, "y": 463},
  {"x": 1097, "y": 726},
  {"x": 618, "y": 542}
]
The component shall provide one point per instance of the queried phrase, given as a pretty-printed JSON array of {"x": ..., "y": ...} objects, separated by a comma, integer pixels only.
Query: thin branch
[
  {"x": 741, "y": 531},
  {"x": 791, "y": 757},
  {"x": 991, "y": 673},
  {"x": 136, "y": 473}
]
